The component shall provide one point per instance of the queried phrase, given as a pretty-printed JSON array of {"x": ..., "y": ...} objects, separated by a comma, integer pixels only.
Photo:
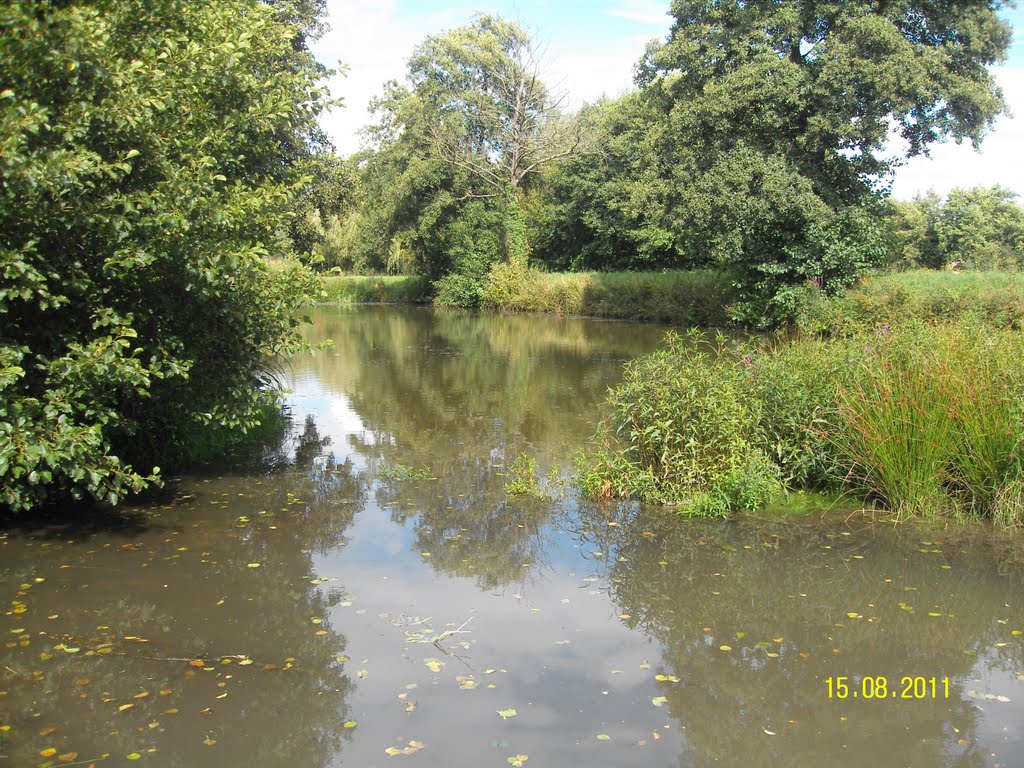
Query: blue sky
[{"x": 591, "y": 49}]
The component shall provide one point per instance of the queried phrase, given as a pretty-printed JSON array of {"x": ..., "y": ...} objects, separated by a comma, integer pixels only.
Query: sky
[{"x": 592, "y": 46}]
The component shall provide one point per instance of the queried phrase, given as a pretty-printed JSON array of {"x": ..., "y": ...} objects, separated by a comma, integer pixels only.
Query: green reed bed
[
  {"x": 388, "y": 289},
  {"x": 994, "y": 298},
  {"x": 690, "y": 298},
  {"x": 923, "y": 419}
]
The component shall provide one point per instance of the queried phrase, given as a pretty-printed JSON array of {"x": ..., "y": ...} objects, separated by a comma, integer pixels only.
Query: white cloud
[
  {"x": 653, "y": 12},
  {"x": 369, "y": 38},
  {"x": 1000, "y": 161}
]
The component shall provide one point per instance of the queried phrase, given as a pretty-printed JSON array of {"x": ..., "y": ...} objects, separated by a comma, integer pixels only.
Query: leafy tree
[
  {"x": 983, "y": 228},
  {"x": 492, "y": 115},
  {"x": 150, "y": 154},
  {"x": 910, "y": 229},
  {"x": 774, "y": 116}
]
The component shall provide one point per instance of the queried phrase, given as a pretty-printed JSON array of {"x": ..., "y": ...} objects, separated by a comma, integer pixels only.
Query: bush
[
  {"x": 690, "y": 431},
  {"x": 149, "y": 162},
  {"x": 925, "y": 419}
]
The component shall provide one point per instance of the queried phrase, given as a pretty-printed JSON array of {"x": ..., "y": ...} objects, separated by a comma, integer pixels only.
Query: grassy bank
[
  {"x": 995, "y": 298},
  {"x": 925, "y": 420},
  {"x": 701, "y": 298},
  {"x": 693, "y": 298},
  {"x": 388, "y": 289}
]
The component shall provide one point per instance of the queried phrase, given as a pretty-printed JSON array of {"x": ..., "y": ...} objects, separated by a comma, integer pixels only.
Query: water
[{"x": 317, "y": 606}]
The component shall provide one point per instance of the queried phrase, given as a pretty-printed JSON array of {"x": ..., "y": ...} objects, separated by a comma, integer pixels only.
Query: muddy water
[{"x": 365, "y": 594}]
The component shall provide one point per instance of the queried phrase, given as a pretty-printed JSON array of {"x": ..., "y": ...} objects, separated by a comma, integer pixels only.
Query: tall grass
[
  {"x": 694, "y": 298},
  {"x": 390, "y": 289},
  {"x": 925, "y": 419},
  {"x": 993, "y": 298}
]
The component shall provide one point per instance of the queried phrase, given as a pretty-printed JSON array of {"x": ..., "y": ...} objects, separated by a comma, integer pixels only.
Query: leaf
[
  {"x": 253, "y": 565},
  {"x": 517, "y": 760},
  {"x": 667, "y": 678},
  {"x": 434, "y": 665},
  {"x": 412, "y": 749},
  {"x": 725, "y": 648},
  {"x": 48, "y": 752},
  {"x": 507, "y": 713},
  {"x": 603, "y": 737},
  {"x": 349, "y": 724},
  {"x": 133, "y": 755},
  {"x": 659, "y": 701}
]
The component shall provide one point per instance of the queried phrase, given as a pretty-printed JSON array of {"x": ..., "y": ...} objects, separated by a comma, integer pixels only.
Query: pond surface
[{"x": 365, "y": 594}]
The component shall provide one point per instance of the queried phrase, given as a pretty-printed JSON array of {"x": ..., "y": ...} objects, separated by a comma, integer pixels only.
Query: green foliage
[
  {"x": 401, "y": 289},
  {"x": 981, "y": 229},
  {"x": 151, "y": 152},
  {"x": 403, "y": 472},
  {"x": 995, "y": 298},
  {"x": 756, "y": 143},
  {"x": 695, "y": 298},
  {"x": 924, "y": 419},
  {"x": 523, "y": 480},
  {"x": 934, "y": 422},
  {"x": 690, "y": 432}
]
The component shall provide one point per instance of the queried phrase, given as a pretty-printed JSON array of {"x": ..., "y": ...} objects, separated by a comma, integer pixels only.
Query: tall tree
[
  {"x": 776, "y": 113},
  {"x": 151, "y": 150},
  {"x": 493, "y": 116}
]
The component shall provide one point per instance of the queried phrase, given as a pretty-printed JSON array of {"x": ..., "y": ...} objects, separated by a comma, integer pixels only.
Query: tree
[
  {"x": 151, "y": 151},
  {"x": 775, "y": 115},
  {"x": 492, "y": 115},
  {"x": 983, "y": 228}
]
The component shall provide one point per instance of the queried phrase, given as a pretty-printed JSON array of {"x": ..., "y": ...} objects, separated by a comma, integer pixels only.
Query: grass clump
[
  {"x": 524, "y": 481},
  {"x": 403, "y": 472},
  {"x": 924, "y": 419},
  {"x": 381, "y": 289}
]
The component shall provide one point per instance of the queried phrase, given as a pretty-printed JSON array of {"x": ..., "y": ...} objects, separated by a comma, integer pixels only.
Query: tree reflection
[
  {"x": 753, "y": 617},
  {"x": 202, "y": 639},
  {"x": 464, "y": 395}
]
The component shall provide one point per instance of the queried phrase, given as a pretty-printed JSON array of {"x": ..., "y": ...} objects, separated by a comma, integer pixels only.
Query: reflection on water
[{"x": 309, "y": 609}]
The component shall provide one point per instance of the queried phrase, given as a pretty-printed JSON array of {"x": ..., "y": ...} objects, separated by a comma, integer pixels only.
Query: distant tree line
[{"x": 754, "y": 145}]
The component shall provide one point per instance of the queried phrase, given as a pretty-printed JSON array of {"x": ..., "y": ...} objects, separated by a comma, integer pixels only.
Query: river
[{"x": 366, "y": 593}]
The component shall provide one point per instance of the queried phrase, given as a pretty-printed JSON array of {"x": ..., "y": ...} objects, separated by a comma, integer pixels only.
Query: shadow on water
[{"x": 189, "y": 632}]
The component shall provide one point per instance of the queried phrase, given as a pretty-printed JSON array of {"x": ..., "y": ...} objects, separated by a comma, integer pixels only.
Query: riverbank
[
  {"x": 925, "y": 420},
  {"x": 701, "y": 298}
]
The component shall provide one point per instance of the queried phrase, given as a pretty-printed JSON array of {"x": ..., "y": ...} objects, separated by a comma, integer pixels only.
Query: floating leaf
[
  {"x": 517, "y": 760},
  {"x": 507, "y": 713},
  {"x": 48, "y": 752},
  {"x": 125, "y": 707},
  {"x": 434, "y": 665},
  {"x": 412, "y": 749},
  {"x": 659, "y": 701},
  {"x": 667, "y": 678},
  {"x": 253, "y": 565},
  {"x": 133, "y": 755},
  {"x": 725, "y": 648},
  {"x": 603, "y": 737},
  {"x": 349, "y": 724}
]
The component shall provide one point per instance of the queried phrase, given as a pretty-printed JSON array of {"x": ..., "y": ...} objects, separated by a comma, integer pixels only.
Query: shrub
[{"x": 690, "y": 432}]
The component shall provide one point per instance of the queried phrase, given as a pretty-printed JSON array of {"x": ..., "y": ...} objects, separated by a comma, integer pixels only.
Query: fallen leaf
[
  {"x": 603, "y": 737},
  {"x": 666, "y": 678},
  {"x": 349, "y": 724},
  {"x": 517, "y": 760},
  {"x": 253, "y": 565},
  {"x": 659, "y": 701},
  {"x": 507, "y": 713},
  {"x": 434, "y": 665},
  {"x": 48, "y": 752}
]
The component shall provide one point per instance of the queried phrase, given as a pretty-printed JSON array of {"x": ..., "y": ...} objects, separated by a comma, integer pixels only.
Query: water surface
[{"x": 366, "y": 594}]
